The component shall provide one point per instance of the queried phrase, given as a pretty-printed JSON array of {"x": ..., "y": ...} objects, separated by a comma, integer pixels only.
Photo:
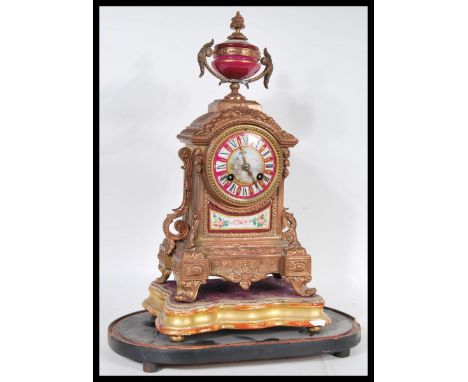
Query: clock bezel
[{"x": 217, "y": 192}]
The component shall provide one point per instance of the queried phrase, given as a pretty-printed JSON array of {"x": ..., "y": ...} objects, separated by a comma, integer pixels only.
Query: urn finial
[{"x": 237, "y": 23}]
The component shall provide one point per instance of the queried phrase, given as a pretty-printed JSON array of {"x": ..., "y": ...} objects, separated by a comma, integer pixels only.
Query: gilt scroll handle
[
  {"x": 266, "y": 74},
  {"x": 203, "y": 53},
  {"x": 181, "y": 226},
  {"x": 289, "y": 222}
]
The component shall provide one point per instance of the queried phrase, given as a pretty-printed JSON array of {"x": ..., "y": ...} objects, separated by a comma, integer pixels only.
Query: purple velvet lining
[{"x": 216, "y": 289}]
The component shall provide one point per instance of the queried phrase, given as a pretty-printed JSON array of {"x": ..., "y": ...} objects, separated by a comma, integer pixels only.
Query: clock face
[{"x": 244, "y": 165}]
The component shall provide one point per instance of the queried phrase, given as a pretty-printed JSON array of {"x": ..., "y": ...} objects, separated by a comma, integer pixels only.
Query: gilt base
[{"x": 224, "y": 305}]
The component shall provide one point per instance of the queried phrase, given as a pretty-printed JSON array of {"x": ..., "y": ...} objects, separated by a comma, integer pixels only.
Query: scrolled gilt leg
[
  {"x": 165, "y": 263},
  {"x": 165, "y": 273},
  {"x": 299, "y": 283},
  {"x": 187, "y": 290}
]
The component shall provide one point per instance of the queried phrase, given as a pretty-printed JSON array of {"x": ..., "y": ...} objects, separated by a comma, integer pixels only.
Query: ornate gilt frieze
[
  {"x": 241, "y": 115},
  {"x": 206, "y": 127},
  {"x": 238, "y": 250},
  {"x": 244, "y": 270}
]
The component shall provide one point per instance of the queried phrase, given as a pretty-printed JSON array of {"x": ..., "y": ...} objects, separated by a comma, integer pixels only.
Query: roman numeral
[
  {"x": 223, "y": 179},
  {"x": 233, "y": 143},
  {"x": 257, "y": 188},
  {"x": 266, "y": 178},
  {"x": 245, "y": 140},
  {"x": 244, "y": 191},
  {"x": 269, "y": 165},
  {"x": 224, "y": 153},
  {"x": 220, "y": 166},
  {"x": 266, "y": 153},
  {"x": 232, "y": 188}
]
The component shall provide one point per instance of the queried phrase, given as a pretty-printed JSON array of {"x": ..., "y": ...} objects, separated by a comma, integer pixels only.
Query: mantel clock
[
  {"x": 232, "y": 245},
  {"x": 232, "y": 222}
]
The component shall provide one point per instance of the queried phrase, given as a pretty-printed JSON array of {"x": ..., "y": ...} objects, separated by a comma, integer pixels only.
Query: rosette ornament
[{"x": 236, "y": 60}]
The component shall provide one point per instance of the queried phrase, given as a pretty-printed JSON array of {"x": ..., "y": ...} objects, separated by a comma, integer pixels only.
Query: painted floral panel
[{"x": 258, "y": 221}]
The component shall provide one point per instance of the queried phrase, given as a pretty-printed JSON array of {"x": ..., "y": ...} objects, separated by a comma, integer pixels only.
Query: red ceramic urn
[{"x": 235, "y": 58}]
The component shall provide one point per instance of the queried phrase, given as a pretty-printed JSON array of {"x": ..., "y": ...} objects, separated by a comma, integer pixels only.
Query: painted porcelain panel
[{"x": 219, "y": 221}]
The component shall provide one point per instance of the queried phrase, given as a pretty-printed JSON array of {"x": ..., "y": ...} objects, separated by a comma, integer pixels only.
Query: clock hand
[
  {"x": 251, "y": 175},
  {"x": 246, "y": 166},
  {"x": 243, "y": 157}
]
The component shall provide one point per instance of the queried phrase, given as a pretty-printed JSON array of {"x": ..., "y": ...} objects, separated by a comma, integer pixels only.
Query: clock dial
[{"x": 244, "y": 165}]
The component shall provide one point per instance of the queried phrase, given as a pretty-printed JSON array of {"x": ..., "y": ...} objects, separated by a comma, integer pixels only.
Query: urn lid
[{"x": 236, "y": 43}]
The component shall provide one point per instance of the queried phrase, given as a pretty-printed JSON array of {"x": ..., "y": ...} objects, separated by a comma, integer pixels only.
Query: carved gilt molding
[
  {"x": 244, "y": 271},
  {"x": 241, "y": 115},
  {"x": 286, "y": 163}
]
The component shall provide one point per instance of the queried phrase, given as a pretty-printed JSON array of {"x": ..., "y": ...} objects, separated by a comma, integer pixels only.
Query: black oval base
[{"x": 134, "y": 336}]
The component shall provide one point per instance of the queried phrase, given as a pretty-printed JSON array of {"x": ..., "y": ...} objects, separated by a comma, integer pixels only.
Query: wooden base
[
  {"x": 134, "y": 336},
  {"x": 224, "y": 305}
]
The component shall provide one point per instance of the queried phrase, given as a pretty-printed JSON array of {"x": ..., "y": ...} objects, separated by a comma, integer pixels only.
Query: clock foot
[
  {"x": 277, "y": 275},
  {"x": 314, "y": 329},
  {"x": 342, "y": 354},
  {"x": 149, "y": 367},
  {"x": 176, "y": 338},
  {"x": 187, "y": 290},
  {"x": 299, "y": 284}
]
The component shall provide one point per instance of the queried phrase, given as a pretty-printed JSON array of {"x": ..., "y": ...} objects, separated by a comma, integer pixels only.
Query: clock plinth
[{"x": 221, "y": 305}]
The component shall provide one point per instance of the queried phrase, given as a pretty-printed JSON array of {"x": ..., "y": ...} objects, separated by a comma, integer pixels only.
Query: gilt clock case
[{"x": 232, "y": 222}]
